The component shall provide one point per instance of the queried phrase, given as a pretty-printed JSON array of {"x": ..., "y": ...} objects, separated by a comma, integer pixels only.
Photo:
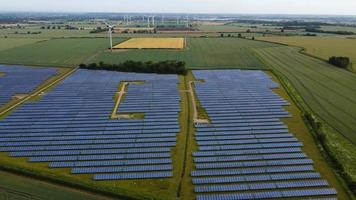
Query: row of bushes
[
  {"x": 342, "y": 62},
  {"x": 162, "y": 67},
  {"x": 314, "y": 30}
]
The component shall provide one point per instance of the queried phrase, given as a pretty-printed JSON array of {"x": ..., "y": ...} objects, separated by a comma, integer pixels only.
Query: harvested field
[{"x": 152, "y": 43}]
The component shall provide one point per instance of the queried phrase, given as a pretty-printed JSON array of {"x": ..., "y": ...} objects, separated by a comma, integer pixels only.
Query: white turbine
[
  {"x": 110, "y": 29},
  {"x": 148, "y": 21}
]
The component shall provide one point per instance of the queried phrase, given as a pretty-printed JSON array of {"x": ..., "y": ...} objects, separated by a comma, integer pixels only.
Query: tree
[
  {"x": 221, "y": 35},
  {"x": 342, "y": 62}
]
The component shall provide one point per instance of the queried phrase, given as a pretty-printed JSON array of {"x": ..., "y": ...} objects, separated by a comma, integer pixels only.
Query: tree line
[
  {"x": 342, "y": 62},
  {"x": 314, "y": 30},
  {"x": 161, "y": 67}
]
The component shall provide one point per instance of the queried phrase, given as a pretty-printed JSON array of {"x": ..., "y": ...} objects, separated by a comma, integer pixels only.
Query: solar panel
[{"x": 246, "y": 151}]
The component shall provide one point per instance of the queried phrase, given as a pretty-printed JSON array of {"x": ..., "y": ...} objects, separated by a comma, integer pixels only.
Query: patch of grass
[
  {"x": 8, "y": 43},
  {"x": 200, "y": 53},
  {"x": 55, "y": 52},
  {"x": 185, "y": 190},
  {"x": 328, "y": 91},
  {"x": 21, "y": 187},
  {"x": 322, "y": 47}
]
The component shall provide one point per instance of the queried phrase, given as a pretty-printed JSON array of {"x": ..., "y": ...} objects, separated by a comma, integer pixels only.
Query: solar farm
[
  {"x": 245, "y": 151},
  {"x": 21, "y": 80},
  {"x": 70, "y": 129}
]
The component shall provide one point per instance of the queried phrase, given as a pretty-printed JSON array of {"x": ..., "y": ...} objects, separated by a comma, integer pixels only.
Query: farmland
[
  {"x": 323, "y": 47},
  {"x": 7, "y": 43},
  {"x": 201, "y": 53},
  {"x": 327, "y": 89},
  {"x": 152, "y": 43},
  {"x": 55, "y": 52}
]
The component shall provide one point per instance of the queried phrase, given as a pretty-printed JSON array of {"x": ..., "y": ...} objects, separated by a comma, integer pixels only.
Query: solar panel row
[
  {"x": 70, "y": 127},
  {"x": 21, "y": 80},
  {"x": 246, "y": 152}
]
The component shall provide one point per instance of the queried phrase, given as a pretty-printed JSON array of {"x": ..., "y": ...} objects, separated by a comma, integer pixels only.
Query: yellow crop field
[
  {"x": 323, "y": 47},
  {"x": 152, "y": 43}
]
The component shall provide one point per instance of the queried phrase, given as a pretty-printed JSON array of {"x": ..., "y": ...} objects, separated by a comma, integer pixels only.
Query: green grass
[
  {"x": 235, "y": 27},
  {"x": 46, "y": 33},
  {"x": 323, "y": 47},
  {"x": 338, "y": 28},
  {"x": 201, "y": 53},
  {"x": 328, "y": 90},
  {"x": 55, "y": 52},
  {"x": 20, "y": 187},
  {"x": 8, "y": 43}
]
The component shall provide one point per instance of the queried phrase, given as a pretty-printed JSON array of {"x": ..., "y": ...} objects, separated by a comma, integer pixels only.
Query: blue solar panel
[
  {"x": 246, "y": 151},
  {"x": 21, "y": 80},
  {"x": 70, "y": 126}
]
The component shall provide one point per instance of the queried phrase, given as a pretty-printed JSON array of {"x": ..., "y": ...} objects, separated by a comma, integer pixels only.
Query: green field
[
  {"x": 323, "y": 47},
  {"x": 201, "y": 53},
  {"x": 235, "y": 27},
  {"x": 20, "y": 187},
  {"x": 328, "y": 90},
  {"x": 8, "y": 43},
  {"x": 338, "y": 28},
  {"x": 55, "y": 52}
]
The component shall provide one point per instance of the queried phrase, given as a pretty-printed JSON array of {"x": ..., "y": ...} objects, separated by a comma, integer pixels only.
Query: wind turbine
[
  {"x": 111, "y": 28},
  {"x": 187, "y": 25}
]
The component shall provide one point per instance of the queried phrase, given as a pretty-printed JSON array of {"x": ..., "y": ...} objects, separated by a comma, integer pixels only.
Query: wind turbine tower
[
  {"x": 110, "y": 30},
  {"x": 187, "y": 25}
]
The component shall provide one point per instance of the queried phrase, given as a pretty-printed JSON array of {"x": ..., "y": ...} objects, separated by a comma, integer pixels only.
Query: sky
[{"x": 317, "y": 7}]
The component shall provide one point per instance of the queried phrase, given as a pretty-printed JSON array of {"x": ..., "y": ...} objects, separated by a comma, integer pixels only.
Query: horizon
[
  {"x": 252, "y": 7},
  {"x": 172, "y": 13}
]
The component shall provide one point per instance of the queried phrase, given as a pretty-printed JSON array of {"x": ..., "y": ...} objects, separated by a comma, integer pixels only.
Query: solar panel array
[
  {"x": 246, "y": 152},
  {"x": 21, "y": 80},
  {"x": 70, "y": 126}
]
